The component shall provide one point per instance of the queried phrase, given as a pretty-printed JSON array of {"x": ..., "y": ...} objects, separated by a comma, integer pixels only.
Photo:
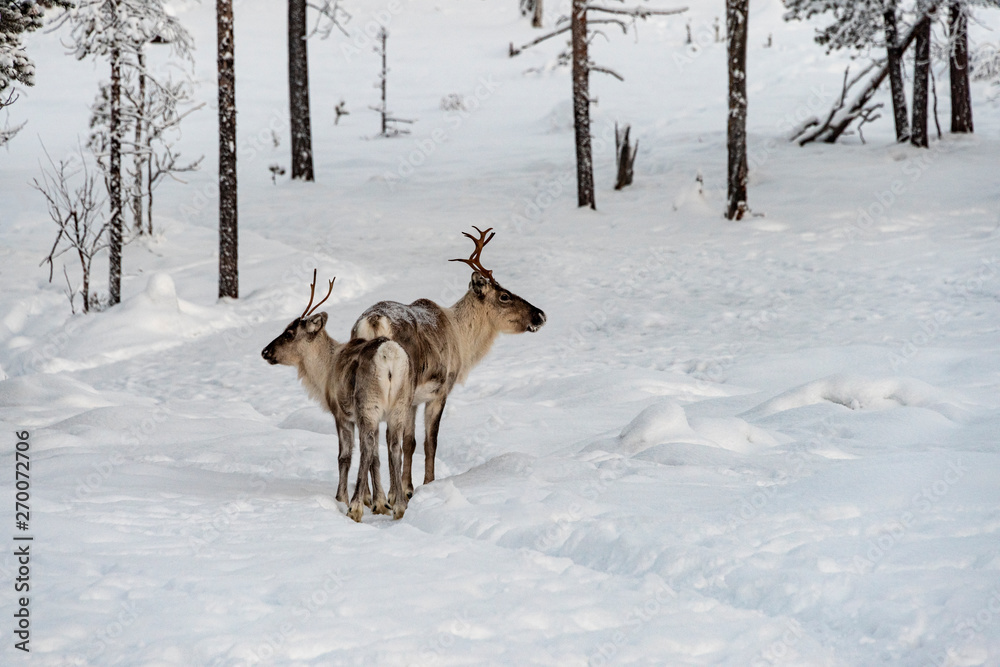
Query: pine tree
[
  {"x": 228, "y": 246},
  {"x": 298, "y": 89},
  {"x": 581, "y": 105},
  {"x": 737, "y": 15},
  {"x": 16, "y": 18},
  {"x": 921, "y": 81},
  {"x": 894, "y": 56}
]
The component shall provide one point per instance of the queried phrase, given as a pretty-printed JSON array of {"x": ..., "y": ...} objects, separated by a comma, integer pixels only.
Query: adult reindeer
[
  {"x": 361, "y": 382},
  {"x": 444, "y": 344}
]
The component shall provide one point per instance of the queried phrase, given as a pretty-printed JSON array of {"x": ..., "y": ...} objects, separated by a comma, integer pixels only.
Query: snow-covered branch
[{"x": 637, "y": 12}]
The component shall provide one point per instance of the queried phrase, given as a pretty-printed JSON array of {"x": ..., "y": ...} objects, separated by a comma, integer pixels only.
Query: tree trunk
[
  {"x": 536, "y": 17},
  {"x": 85, "y": 288},
  {"x": 228, "y": 265},
  {"x": 298, "y": 89},
  {"x": 115, "y": 179},
  {"x": 921, "y": 82},
  {"x": 138, "y": 156},
  {"x": 736, "y": 29},
  {"x": 581, "y": 105},
  {"x": 961, "y": 98},
  {"x": 894, "y": 58},
  {"x": 384, "y": 80}
]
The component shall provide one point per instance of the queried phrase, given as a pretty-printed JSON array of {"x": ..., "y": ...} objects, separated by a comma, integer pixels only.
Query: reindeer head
[
  {"x": 509, "y": 312},
  {"x": 292, "y": 346}
]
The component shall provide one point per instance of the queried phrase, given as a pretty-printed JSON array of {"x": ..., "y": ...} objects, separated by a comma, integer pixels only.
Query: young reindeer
[
  {"x": 444, "y": 344},
  {"x": 361, "y": 382}
]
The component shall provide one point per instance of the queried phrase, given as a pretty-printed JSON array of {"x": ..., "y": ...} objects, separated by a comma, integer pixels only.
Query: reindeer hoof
[
  {"x": 397, "y": 513},
  {"x": 355, "y": 512},
  {"x": 380, "y": 508}
]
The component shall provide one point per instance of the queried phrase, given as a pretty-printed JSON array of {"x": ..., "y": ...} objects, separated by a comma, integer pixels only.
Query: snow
[{"x": 772, "y": 442}]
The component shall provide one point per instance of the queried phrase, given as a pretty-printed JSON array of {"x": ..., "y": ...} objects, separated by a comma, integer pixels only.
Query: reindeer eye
[{"x": 504, "y": 297}]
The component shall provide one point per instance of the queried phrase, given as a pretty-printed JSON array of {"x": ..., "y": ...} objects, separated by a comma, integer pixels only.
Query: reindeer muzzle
[
  {"x": 537, "y": 320},
  {"x": 268, "y": 354}
]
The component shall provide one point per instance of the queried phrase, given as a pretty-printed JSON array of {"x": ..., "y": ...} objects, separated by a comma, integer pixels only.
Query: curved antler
[
  {"x": 310, "y": 309},
  {"x": 474, "y": 260}
]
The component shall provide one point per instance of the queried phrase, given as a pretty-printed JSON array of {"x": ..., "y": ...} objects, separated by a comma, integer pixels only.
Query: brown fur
[
  {"x": 362, "y": 382},
  {"x": 444, "y": 344}
]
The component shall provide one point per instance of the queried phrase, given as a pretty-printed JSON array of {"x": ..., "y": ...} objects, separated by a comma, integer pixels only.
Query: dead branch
[
  {"x": 637, "y": 12},
  {"x": 605, "y": 70},
  {"x": 843, "y": 114}
]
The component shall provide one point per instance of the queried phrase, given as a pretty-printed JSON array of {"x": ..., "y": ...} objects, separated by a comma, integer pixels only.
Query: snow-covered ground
[{"x": 754, "y": 443}]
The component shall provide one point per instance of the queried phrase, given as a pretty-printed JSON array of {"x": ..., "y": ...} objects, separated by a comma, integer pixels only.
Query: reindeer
[
  {"x": 361, "y": 382},
  {"x": 444, "y": 344}
]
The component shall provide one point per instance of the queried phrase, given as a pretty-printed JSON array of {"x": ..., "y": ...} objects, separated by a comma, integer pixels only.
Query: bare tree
[
  {"x": 577, "y": 25},
  {"x": 152, "y": 113},
  {"x": 736, "y": 33},
  {"x": 78, "y": 213},
  {"x": 389, "y": 122},
  {"x": 958, "y": 61},
  {"x": 228, "y": 245},
  {"x": 163, "y": 114}
]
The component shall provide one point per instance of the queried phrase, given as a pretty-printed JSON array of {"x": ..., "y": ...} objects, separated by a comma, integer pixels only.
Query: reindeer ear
[
  {"x": 478, "y": 284},
  {"x": 315, "y": 323}
]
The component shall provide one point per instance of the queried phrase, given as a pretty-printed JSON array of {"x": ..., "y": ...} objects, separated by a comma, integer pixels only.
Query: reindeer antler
[
  {"x": 310, "y": 309},
  {"x": 474, "y": 260}
]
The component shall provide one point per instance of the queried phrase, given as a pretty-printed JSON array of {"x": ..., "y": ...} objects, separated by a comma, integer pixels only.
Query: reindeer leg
[
  {"x": 345, "y": 434},
  {"x": 369, "y": 446},
  {"x": 397, "y": 497},
  {"x": 379, "y": 504},
  {"x": 432, "y": 422},
  {"x": 409, "y": 447}
]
